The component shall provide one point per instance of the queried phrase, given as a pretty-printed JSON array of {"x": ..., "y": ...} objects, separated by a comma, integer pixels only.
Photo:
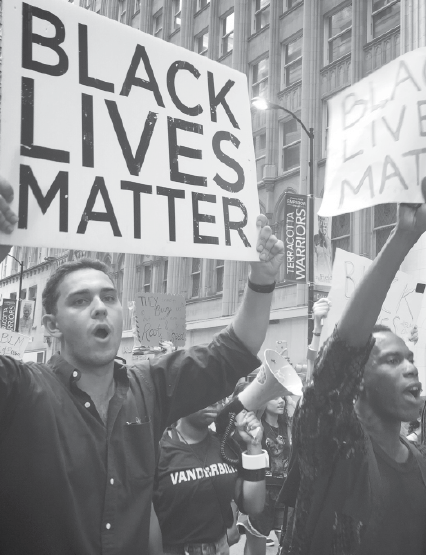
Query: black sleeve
[
  {"x": 191, "y": 379},
  {"x": 12, "y": 377}
]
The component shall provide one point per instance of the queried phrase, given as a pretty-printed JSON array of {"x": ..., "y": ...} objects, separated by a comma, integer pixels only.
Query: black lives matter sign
[
  {"x": 295, "y": 247},
  {"x": 115, "y": 140},
  {"x": 376, "y": 151}
]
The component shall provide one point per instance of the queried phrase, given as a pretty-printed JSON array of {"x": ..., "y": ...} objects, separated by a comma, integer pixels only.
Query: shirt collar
[{"x": 67, "y": 374}]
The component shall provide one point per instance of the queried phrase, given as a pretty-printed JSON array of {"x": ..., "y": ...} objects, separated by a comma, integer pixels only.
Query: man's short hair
[
  {"x": 50, "y": 294},
  {"x": 380, "y": 327}
]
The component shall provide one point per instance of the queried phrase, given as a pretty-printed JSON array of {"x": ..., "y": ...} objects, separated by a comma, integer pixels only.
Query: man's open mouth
[
  {"x": 414, "y": 390},
  {"x": 102, "y": 333}
]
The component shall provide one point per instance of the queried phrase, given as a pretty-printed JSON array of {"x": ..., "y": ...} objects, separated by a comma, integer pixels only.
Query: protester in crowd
[
  {"x": 195, "y": 483},
  {"x": 361, "y": 485},
  {"x": 79, "y": 435},
  {"x": 276, "y": 441}
]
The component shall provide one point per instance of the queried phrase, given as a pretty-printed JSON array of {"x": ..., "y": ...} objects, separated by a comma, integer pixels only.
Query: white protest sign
[
  {"x": 160, "y": 317},
  {"x": 400, "y": 309},
  {"x": 12, "y": 344},
  {"x": 377, "y": 138},
  {"x": 116, "y": 140}
]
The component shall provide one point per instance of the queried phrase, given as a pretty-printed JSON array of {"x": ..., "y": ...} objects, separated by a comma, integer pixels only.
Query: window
[
  {"x": 261, "y": 14},
  {"x": 12, "y": 296},
  {"x": 292, "y": 62},
  {"x": 158, "y": 24},
  {"x": 23, "y": 294},
  {"x": 259, "y": 78},
  {"x": 339, "y": 33},
  {"x": 202, "y": 4},
  {"x": 136, "y": 6},
  {"x": 202, "y": 43},
  {"x": 385, "y": 15},
  {"x": 291, "y": 136},
  {"x": 165, "y": 273},
  {"x": 288, "y": 4},
  {"x": 147, "y": 277},
  {"x": 32, "y": 293},
  {"x": 341, "y": 233},
  {"x": 122, "y": 11},
  {"x": 384, "y": 222},
  {"x": 176, "y": 14},
  {"x": 325, "y": 129},
  {"x": 220, "y": 265},
  {"x": 195, "y": 277},
  {"x": 227, "y": 24},
  {"x": 260, "y": 153}
]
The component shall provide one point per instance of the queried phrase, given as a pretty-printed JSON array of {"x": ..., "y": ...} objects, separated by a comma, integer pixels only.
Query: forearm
[
  {"x": 252, "y": 319},
  {"x": 365, "y": 304}
]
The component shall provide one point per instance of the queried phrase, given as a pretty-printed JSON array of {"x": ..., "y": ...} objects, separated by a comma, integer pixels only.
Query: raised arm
[
  {"x": 364, "y": 306},
  {"x": 252, "y": 318},
  {"x": 320, "y": 311}
]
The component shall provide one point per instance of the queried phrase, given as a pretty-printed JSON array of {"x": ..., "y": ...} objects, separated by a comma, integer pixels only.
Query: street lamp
[
  {"x": 263, "y": 104},
  {"x": 21, "y": 273}
]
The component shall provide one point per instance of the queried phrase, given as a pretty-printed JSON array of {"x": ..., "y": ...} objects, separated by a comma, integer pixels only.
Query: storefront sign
[{"x": 295, "y": 220}]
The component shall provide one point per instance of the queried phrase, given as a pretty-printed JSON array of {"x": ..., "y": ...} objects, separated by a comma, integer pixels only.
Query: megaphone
[{"x": 276, "y": 378}]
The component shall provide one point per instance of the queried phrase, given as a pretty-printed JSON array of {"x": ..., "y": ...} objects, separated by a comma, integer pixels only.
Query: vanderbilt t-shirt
[{"x": 193, "y": 490}]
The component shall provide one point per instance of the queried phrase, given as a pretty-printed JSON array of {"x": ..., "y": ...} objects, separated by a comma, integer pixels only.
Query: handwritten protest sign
[
  {"x": 377, "y": 138},
  {"x": 160, "y": 317},
  {"x": 12, "y": 343},
  {"x": 402, "y": 304},
  {"x": 116, "y": 140}
]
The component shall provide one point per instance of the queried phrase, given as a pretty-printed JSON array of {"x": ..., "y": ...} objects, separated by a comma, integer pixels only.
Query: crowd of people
[{"x": 101, "y": 458}]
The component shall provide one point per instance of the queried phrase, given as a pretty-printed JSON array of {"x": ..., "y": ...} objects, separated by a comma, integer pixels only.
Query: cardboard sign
[
  {"x": 402, "y": 304},
  {"x": 12, "y": 343},
  {"x": 323, "y": 265},
  {"x": 160, "y": 317},
  {"x": 377, "y": 144},
  {"x": 295, "y": 219},
  {"x": 116, "y": 140},
  {"x": 8, "y": 314}
]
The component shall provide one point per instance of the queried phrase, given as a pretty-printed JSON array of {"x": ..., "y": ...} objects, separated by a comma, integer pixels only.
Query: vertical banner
[
  {"x": 26, "y": 317},
  {"x": 295, "y": 220},
  {"x": 8, "y": 313},
  {"x": 322, "y": 248}
]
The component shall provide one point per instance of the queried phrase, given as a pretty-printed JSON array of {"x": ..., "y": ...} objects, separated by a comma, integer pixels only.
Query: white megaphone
[{"x": 276, "y": 378}]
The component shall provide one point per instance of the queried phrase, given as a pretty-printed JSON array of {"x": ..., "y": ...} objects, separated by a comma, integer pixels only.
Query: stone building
[{"x": 297, "y": 54}]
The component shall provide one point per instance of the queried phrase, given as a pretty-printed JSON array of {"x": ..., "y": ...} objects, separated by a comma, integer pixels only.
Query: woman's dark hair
[{"x": 50, "y": 294}]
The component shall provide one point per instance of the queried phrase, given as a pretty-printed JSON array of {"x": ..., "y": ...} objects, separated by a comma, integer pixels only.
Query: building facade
[{"x": 297, "y": 54}]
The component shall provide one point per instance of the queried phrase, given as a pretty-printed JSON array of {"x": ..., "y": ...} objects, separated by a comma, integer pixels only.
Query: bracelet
[
  {"x": 254, "y": 462},
  {"x": 260, "y": 288},
  {"x": 317, "y": 334},
  {"x": 253, "y": 475}
]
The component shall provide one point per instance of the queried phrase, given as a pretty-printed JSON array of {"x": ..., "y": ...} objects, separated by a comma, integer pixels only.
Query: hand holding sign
[
  {"x": 8, "y": 218},
  {"x": 271, "y": 254}
]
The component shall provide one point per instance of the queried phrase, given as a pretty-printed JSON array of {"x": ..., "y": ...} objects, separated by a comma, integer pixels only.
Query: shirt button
[
  {"x": 87, "y": 405},
  {"x": 75, "y": 374},
  {"x": 111, "y": 481},
  {"x": 108, "y": 526}
]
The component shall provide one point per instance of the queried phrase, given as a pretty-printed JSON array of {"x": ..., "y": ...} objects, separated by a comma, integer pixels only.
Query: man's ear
[{"x": 50, "y": 323}]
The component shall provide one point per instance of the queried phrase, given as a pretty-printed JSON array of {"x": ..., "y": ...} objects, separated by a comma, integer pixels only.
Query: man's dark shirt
[{"x": 71, "y": 485}]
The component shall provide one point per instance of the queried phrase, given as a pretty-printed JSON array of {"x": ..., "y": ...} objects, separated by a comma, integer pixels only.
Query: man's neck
[
  {"x": 190, "y": 433},
  {"x": 383, "y": 432}
]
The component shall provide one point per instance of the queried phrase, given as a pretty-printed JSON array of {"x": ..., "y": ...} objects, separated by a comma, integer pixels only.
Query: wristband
[
  {"x": 260, "y": 288},
  {"x": 253, "y": 475},
  {"x": 254, "y": 462}
]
